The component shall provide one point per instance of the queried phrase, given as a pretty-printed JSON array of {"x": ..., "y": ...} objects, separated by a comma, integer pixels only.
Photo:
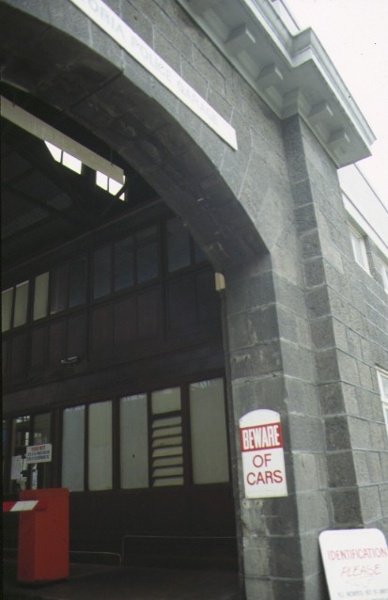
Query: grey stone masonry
[{"x": 304, "y": 325}]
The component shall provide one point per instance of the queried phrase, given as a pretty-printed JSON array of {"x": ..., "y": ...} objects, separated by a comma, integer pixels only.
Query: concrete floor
[{"x": 99, "y": 582}]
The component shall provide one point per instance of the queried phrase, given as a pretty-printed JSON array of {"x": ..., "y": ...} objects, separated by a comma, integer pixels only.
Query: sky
[{"x": 355, "y": 35}]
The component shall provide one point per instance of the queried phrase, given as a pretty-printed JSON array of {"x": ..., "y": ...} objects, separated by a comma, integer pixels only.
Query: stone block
[
  {"x": 285, "y": 558},
  {"x": 370, "y": 504},
  {"x": 306, "y": 433},
  {"x": 341, "y": 469},
  {"x": 337, "y": 433},
  {"x": 331, "y": 398},
  {"x": 346, "y": 508}
]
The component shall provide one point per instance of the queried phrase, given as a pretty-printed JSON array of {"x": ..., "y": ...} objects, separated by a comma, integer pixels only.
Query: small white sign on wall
[
  {"x": 356, "y": 563},
  {"x": 261, "y": 443}
]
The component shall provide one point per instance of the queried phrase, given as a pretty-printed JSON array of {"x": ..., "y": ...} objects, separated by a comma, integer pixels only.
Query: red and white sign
[
  {"x": 39, "y": 454},
  {"x": 261, "y": 445},
  {"x": 356, "y": 563}
]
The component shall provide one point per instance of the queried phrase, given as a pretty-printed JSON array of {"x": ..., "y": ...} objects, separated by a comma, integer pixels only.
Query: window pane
[
  {"x": 6, "y": 309},
  {"x": 42, "y": 435},
  {"x": 100, "y": 446},
  {"x": 359, "y": 249},
  {"x": 134, "y": 442},
  {"x": 124, "y": 264},
  {"x": 55, "y": 152},
  {"x": 58, "y": 289},
  {"x": 21, "y": 435},
  {"x": 71, "y": 162},
  {"x": 102, "y": 272},
  {"x": 101, "y": 180},
  {"x": 78, "y": 281},
  {"x": 168, "y": 400},
  {"x": 21, "y": 304},
  {"x": 147, "y": 254},
  {"x": 41, "y": 296},
  {"x": 208, "y": 432},
  {"x": 73, "y": 448},
  {"x": 20, "y": 439},
  {"x": 178, "y": 245},
  {"x": 42, "y": 426}
]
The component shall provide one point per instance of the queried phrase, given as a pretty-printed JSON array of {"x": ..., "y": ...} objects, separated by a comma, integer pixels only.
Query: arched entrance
[{"x": 126, "y": 115}]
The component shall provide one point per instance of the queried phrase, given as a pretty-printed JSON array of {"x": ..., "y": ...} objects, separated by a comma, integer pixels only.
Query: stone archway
[{"x": 73, "y": 66}]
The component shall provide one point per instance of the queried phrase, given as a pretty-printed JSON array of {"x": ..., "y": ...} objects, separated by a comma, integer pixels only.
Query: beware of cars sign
[{"x": 261, "y": 444}]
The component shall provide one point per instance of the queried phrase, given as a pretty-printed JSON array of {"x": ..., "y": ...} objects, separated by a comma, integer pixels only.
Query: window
[
  {"x": 359, "y": 248},
  {"x": 181, "y": 249},
  {"x": 167, "y": 438},
  {"x": 73, "y": 447},
  {"x": 64, "y": 158},
  {"x": 41, "y": 296},
  {"x": 384, "y": 274},
  {"x": 134, "y": 442},
  {"x": 383, "y": 384},
  {"x": 131, "y": 260},
  {"x": 100, "y": 446},
  {"x": 21, "y": 304},
  {"x": 6, "y": 309},
  {"x": 208, "y": 432},
  {"x": 175, "y": 436},
  {"x": 112, "y": 186}
]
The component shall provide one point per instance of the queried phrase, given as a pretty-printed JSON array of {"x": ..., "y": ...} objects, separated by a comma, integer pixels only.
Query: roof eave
[{"x": 289, "y": 70}]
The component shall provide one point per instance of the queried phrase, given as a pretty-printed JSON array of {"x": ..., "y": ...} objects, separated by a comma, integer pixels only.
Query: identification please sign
[
  {"x": 356, "y": 563},
  {"x": 261, "y": 444}
]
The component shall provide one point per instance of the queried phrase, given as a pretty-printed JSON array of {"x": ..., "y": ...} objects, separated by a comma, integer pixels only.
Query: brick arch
[{"x": 78, "y": 69}]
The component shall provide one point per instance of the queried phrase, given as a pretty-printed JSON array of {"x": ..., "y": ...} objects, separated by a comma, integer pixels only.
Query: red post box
[{"x": 43, "y": 553}]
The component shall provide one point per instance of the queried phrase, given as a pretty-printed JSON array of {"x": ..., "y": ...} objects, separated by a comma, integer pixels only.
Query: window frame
[
  {"x": 358, "y": 241},
  {"x": 383, "y": 375}
]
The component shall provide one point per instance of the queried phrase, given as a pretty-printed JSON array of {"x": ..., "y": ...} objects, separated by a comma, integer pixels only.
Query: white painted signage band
[
  {"x": 121, "y": 33},
  {"x": 261, "y": 444}
]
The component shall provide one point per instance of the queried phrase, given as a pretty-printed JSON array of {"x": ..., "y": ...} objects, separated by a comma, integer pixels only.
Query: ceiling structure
[{"x": 45, "y": 204}]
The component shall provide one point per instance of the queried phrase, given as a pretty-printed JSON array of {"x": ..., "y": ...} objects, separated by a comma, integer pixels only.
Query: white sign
[
  {"x": 261, "y": 444},
  {"x": 121, "y": 33},
  {"x": 356, "y": 563},
  {"x": 16, "y": 467},
  {"x": 39, "y": 454}
]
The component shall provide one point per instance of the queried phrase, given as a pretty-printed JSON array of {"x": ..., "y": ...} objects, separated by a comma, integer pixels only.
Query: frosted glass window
[
  {"x": 41, "y": 296},
  {"x": 134, "y": 442},
  {"x": 6, "y": 309},
  {"x": 73, "y": 448},
  {"x": 359, "y": 249},
  {"x": 167, "y": 400},
  {"x": 208, "y": 432},
  {"x": 21, "y": 303},
  {"x": 100, "y": 446}
]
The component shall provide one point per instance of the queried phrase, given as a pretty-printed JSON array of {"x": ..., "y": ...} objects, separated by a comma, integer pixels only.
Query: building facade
[{"x": 177, "y": 253}]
